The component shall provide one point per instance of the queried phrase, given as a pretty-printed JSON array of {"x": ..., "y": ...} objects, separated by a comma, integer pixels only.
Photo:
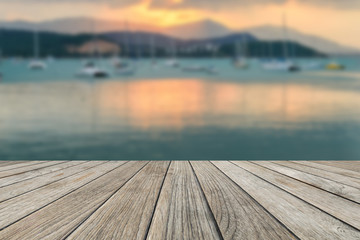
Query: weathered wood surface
[
  {"x": 323, "y": 200},
  {"x": 8, "y": 163},
  {"x": 34, "y": 173},
  {"x": 345, "y": 191},
  {"x": 182, "y": 209},
  {"x": 31, "y": 167},
  {"x": 8, "y": 167},
  {"x": 304, "y": 220},
  {"x": 340, "y": 171},
  {"x": 59, "y": 219},
  {"x": 127, "y": 214},
  {"x": 32, "y": 184},
  {"x": 354, "y": 182},
  {"x": 349, "y": 165},
  {"x": 179, "y": 200},
  {"x": 19, "y": 207},
  {"x": 239, "y": 216}
]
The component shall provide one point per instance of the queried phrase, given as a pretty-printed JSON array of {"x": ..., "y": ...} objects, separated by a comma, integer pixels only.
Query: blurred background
[{"x": 181, "y": 79}]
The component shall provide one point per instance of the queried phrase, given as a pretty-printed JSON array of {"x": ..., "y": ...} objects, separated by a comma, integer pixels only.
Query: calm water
[{"x": 167, "y": 114}]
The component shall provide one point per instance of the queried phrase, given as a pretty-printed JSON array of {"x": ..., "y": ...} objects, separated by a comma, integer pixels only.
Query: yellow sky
[
  {"x": 341, "y": 25},
  {"x": 338, "y": 25}
]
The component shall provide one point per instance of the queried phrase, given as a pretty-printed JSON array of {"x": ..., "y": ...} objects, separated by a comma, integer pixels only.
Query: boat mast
[
  {"x": 174, "y": 50},
  {"x": 36, "y": 44},
  {"x": 244, "y": 46},
  {"x": 138, "y": 44},
  {"x": 95, "y": 45},
  {"x": 237, "y": 49},
  {"x": 152, "y": 47},
  {"x": 286, "y": 54},
  {"x": 126, "y": 40},
  {"x": 1, "y": 53},
  {"x": 271, "y": 54}
]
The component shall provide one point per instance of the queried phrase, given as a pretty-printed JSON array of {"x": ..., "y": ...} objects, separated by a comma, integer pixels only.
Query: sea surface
[{"x": 165, "y": 113}]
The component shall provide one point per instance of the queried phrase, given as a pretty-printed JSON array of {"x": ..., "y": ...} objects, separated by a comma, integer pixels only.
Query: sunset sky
[{"x": 333, "y": 19}]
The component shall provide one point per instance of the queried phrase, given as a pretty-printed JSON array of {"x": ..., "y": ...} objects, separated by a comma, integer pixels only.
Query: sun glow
[
  {"x": 161, "y": 18},
  {"x": 339, "y": 24}
]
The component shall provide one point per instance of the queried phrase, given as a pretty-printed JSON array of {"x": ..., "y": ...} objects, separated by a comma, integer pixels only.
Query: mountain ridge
[
  {"x": 137, "y": 44},
  {"x": 199, "y": 30}
]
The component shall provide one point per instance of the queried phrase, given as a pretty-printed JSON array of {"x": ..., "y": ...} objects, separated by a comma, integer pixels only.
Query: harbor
[{"x": 179, "y": 119}]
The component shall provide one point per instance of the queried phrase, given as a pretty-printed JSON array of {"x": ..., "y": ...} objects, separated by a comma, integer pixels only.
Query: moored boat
[
  {"x": 36, "y": 63},
  {"x": 335, "y": 66}
]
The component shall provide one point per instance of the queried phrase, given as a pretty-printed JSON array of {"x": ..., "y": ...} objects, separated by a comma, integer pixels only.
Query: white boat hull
[
  {"x": 200, "y": 69},
  {"x": 285, "y": 66},
  {"x": 172, "y": 63},
  {"x": 37, "y": 65}
]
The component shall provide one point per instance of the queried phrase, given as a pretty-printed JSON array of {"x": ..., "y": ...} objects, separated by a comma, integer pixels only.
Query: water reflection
[
  {"x": 177, "y": 104},
  {"x": 178, "y": 119},
  {"x": 149, "y": 104}
]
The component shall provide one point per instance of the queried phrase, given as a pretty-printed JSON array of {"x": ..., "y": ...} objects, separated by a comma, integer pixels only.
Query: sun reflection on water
[{"x": 181, "y": 103}]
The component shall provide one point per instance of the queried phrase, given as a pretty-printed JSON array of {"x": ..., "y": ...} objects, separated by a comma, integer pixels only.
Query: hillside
[
  {"x": 200, "y": 30},
  {"x": 20, "y": 43}
]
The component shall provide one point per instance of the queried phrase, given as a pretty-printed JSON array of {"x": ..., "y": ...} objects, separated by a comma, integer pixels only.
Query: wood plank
[
  {"x": 353, "y": 182},
  {"x": 237, "y": 214},
  {"x": 19, "y": 207},
  {"x": 182, "y": 209},
  {"x": 19, "y": 188},
  {"x": 303, "y": 219},
  {"x": 60, "y": 218},
  {"x": 334, "y": 205},
  {"x": 20, "y": 165},
  {"x": 323, "y": 183},
  {"x": 337, "y": 170},
  {"x": 17, "y": 171},
  {"x": 127, "y": 214},
  {"x": 8, "y": 163},
  {"x": 37, "y": 172},
  {"x": 349, "y": 165}
]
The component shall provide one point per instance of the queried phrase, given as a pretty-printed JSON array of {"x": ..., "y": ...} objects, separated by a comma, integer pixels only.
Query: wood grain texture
[
  {"x": 323, "y": 200},
  {"x": 304, "y": 220},
  {"x": 22, "y": 187},
  {"x": 182, "y": 209},
  {"x": 201, "y": 200},
  {"x": 237, "y": 214},
  {"x": 19, "y": 207},
  {"x": 127, "y": 214},
  {"x": 37, "y": 172},
  {"x": 349, "y": 165},
  {"x": 17, "y": 171},
  {"x": 60, "y": 218},
  {"x": 19, "y": 165},
  {"x": 340, "y": 171},
  {"x": 353, "y": 182},
  {"x": 8, "y": 163},
  {"x": 323, "y": 183}
]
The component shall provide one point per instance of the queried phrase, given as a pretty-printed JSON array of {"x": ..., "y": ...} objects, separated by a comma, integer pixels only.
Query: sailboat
[
  {"x": 240, "y": 62},
  {"x": 90, "y": 68},
  {"x": 153, "y": 52},
  {"x": 36, "y": 63},
  {"x": 285, "y": 64},
  {"x": 173, "y": 62},
  {"x": 209, "y": 69},
  {"x": 126, "y": 67},
  {"x": 0, "y": 58},
  {"x": 0, "y": 64}
]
